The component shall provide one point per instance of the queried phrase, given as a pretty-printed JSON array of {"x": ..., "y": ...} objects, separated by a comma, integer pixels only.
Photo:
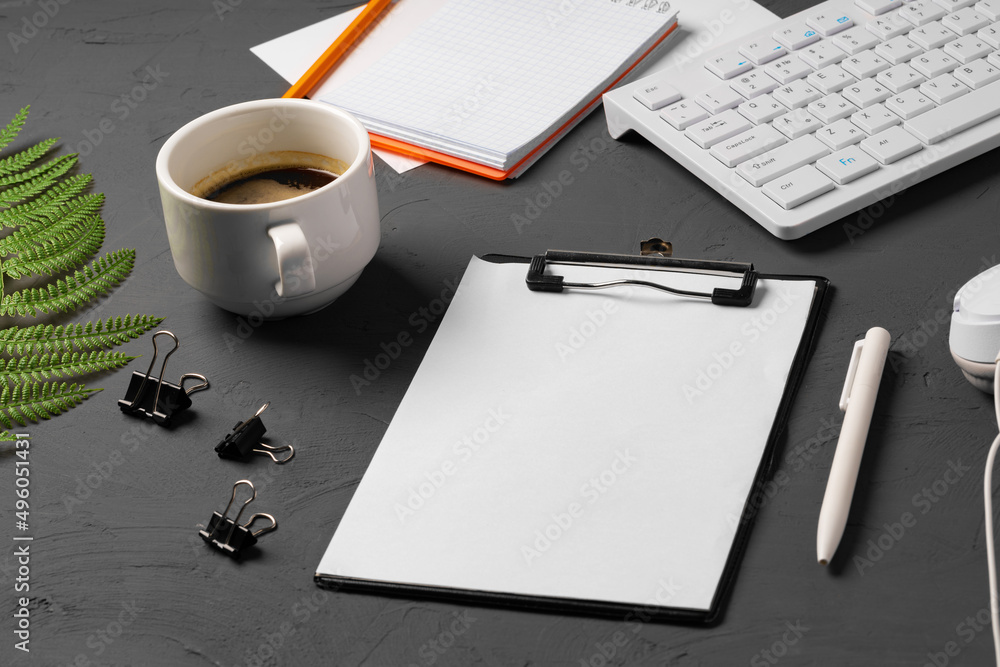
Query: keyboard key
[
  {"x": 787, "y": 69},
  {"x": 990, "y": 8},
  {"x": 991, "y": 35},
  {"x": 798, "y": 187},
  {"x": 656, "y": 94},
  {"x": 875, "y": 119},
  {"x": 711, "y": 131},
  {"x": 994, "y": 59},
  {"x": 753, "y": 84},
  {"x": 684, "y": 114},
  {"x": 934, "y": 63},
  {"x": 957, "y": 116},
  {"x": 931, "y": 36},
  {"x": 891, "y": 145},
  {"x": 829, "y": 23},
  {"x": 821, "y": 54},
  {"x": 889, "y": 26},
  {"x": 943, "y": 88},
  {"x": 795, "y": 124},
  {"x": 900, "y": 77},
  {"x": 864, "y": 65},
  {"x": 840, "y": 134},
  {"x": 965, "y": 21},
  {"x": 922, "y": 12},
  {"x": 761, "y": 110},
  {"x": 898, "y": 50},
  {"x": 781, "y": 160},
  {"x": 977, "y": 74},
  {"x": 865, "y": 93},
  {"x": 855, "y": 40},
  {"x": 847, "y": 165},
  {"x": 876, "y": 7},
  {"x": 719, "y": 99},
  {"x": 968, "y": 48},
  {"x": 831, "y": 108},
  {"x": 955, "y": 5},
  {"x": 728, "y": 65},
  {"x": 763, "y": 51},
  {"x": 746, "y": 145},
  {"x": 830, "y": 79},
  {"x": 796, "y": 94},
  {"x": 795, "y": 36},
  {"x": 909, "y": 104}
]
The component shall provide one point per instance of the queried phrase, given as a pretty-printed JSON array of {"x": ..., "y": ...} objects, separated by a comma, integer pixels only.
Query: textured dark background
[{"x": 128, "y": 552}]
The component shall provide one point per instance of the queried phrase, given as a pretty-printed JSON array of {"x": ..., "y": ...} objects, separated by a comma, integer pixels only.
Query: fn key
[{"x": 798, "y": 187}]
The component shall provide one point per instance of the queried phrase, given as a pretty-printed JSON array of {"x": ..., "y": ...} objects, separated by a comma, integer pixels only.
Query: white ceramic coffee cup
[{"x": 280, "y": 258}]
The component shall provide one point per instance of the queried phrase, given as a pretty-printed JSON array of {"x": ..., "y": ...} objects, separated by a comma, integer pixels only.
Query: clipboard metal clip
[{"x": 538, "y": 281}]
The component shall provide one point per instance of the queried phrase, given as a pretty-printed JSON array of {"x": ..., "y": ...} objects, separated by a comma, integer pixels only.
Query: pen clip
[{"x": 852, "y": 370}]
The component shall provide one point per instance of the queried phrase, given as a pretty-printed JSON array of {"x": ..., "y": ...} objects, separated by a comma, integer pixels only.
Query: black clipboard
[{"x": 542, "y": 271}]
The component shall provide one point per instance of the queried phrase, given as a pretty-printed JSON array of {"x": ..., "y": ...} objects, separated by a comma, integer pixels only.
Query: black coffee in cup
[{"x": 269, "y": 177}]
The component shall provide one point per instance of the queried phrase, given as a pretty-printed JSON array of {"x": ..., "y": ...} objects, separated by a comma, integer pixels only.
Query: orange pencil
[{"x": 330, "y": 57}]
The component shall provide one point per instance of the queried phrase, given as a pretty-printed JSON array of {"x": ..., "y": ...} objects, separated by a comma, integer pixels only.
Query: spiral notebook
[
  {"x": 589, "y": 451},
  {"x": 489, "y": 85}
]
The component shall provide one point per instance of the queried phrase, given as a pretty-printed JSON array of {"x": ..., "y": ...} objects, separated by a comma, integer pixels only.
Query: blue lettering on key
[{"x": 843, "y": 19}]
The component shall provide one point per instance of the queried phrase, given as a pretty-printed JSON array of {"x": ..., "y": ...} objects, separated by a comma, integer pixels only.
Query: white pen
[{"x": 858, "y": 402}]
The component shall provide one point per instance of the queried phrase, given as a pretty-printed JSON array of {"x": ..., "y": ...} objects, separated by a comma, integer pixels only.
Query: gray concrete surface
[{"x": 118, "y": 574}]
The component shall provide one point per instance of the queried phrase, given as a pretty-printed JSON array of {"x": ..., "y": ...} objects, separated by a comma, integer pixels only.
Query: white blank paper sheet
[{"x": 580, "y": 445}]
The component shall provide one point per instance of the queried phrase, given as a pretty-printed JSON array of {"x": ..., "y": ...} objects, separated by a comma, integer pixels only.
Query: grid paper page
[{"x": 484, "y": 78}]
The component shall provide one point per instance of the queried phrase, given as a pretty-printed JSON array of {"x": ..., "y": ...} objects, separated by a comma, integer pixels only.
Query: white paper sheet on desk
[
  {"x": 703, "y": 24},
  {"x": 588, "y": 445}
]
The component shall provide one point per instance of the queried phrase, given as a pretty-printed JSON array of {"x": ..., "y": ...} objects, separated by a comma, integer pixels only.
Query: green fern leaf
[
  {"x": 47, "y": 228},
  {"x": 20, "y": 161},
  {"x": 38, "y": 184},
  {"x": 44, "y": 366},
  {"x": 55, "y": 227},
  {"x": 52, "y": 339},
  {"x": 25, "y": 176},
  {"x": 65, "y": 251},
  {"x": 73, "y": 291},
  {"x": 13, "y": 127},
  {"x": 47, "y": 206},
  {"x": 35, "y": 401}
]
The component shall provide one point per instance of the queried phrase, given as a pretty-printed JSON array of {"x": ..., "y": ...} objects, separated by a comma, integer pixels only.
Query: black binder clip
[
  {"x": 538, "y": 281},
  {"x": 245, "y": 440},
  {"x": 154, "y": 397},
  {"x": 227, "y": 535}
]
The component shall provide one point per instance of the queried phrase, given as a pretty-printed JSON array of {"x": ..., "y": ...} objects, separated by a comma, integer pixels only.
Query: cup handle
[{"x": 295, "y": 270}]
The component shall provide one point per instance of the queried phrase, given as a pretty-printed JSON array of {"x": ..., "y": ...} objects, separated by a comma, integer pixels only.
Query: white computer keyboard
[{"x": 828, "y": 111}]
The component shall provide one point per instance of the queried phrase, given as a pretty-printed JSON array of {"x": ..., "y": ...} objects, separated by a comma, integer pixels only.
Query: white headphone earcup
[{"x": 979, "y": 374}]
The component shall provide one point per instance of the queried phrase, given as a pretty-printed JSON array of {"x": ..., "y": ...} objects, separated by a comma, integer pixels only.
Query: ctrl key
[{"x": 798, "y": 187}]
